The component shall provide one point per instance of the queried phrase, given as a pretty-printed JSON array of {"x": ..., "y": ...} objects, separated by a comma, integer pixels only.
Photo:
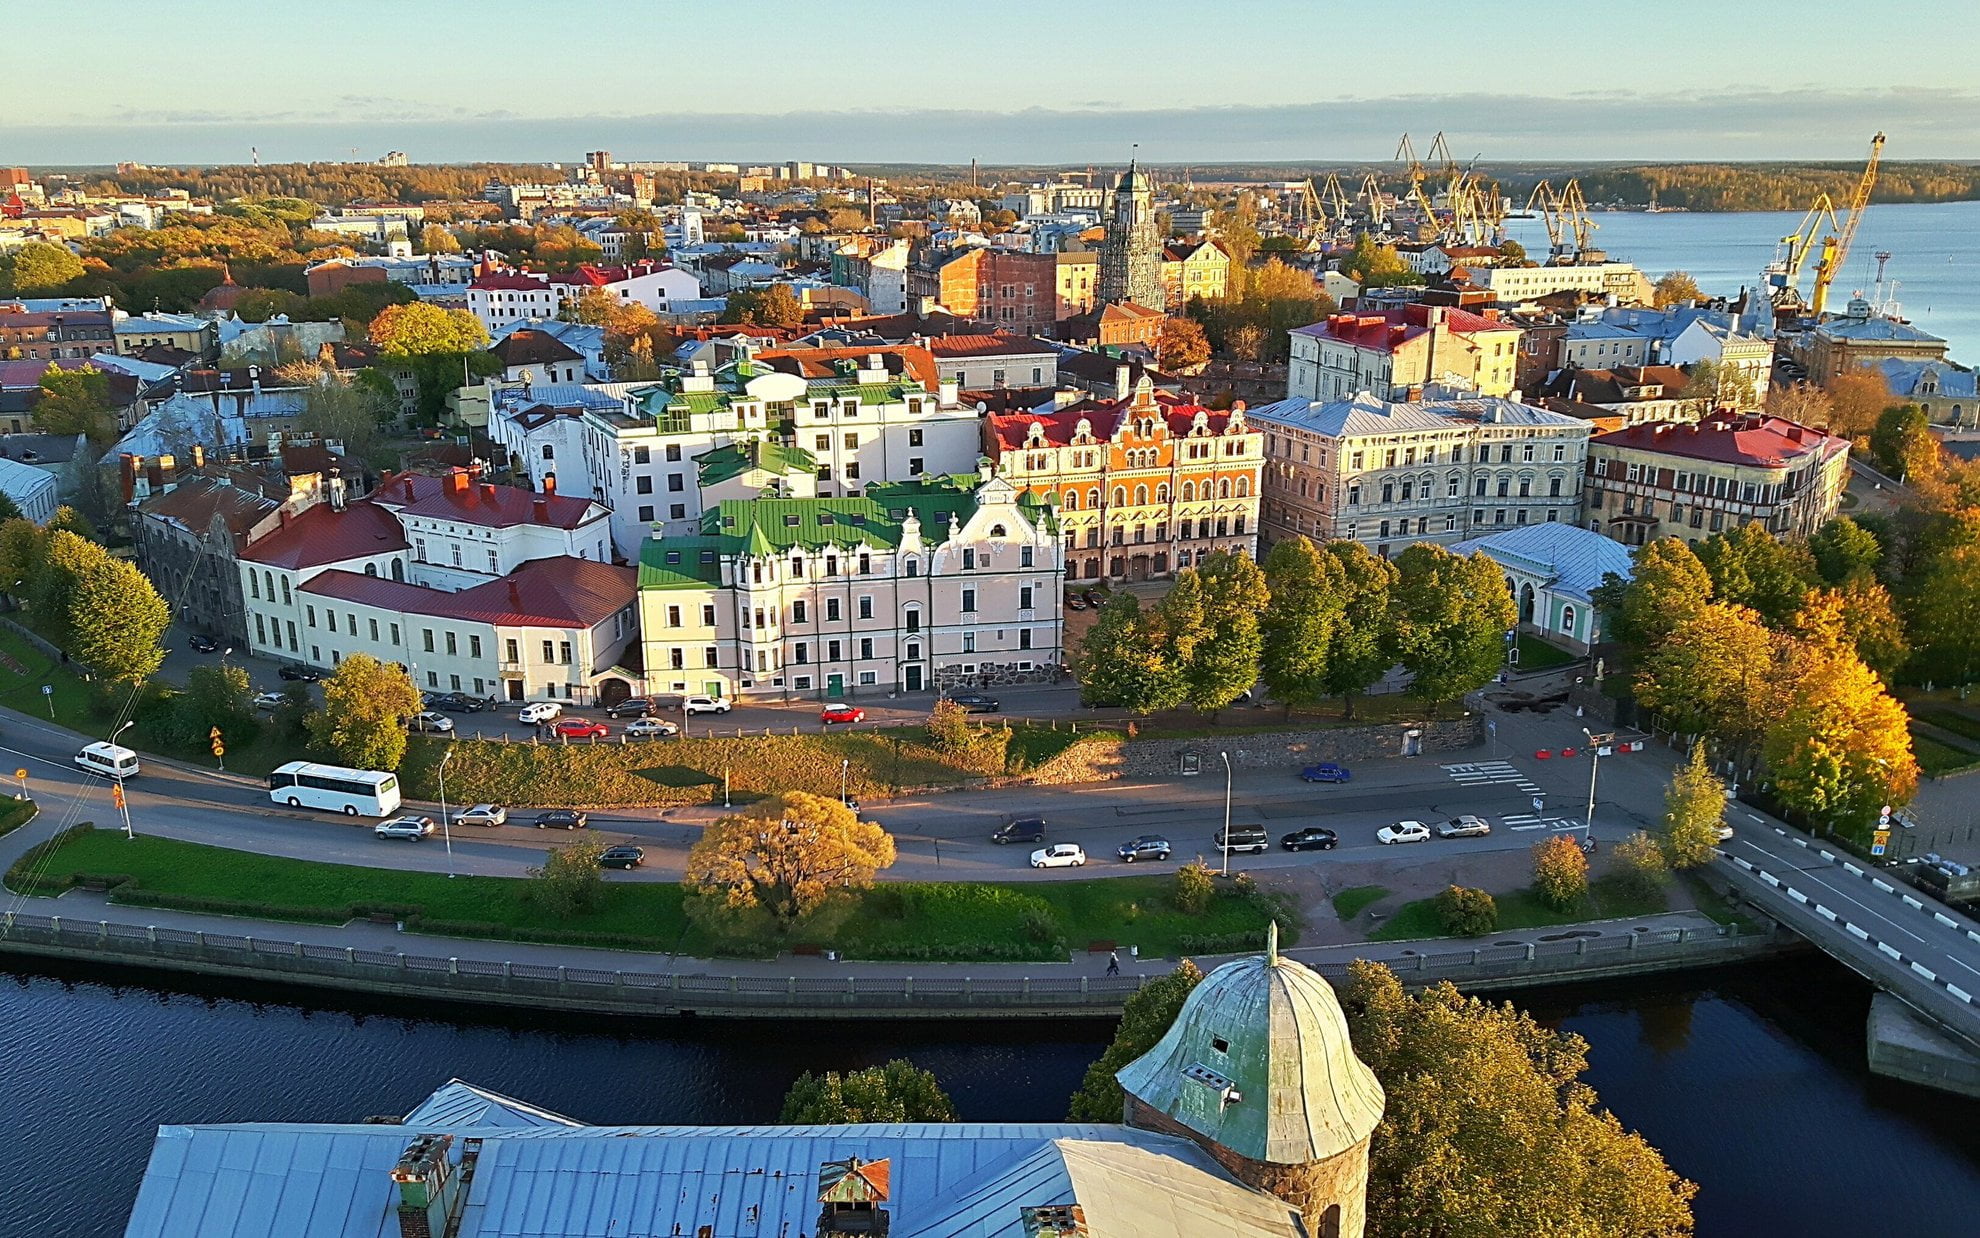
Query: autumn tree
[
  {"x": 1724, "y": 674},
  {"x": 1145, "y": 1019},
  {"x": 434, "y": 239},
  {"x": 75, "y": 402},
  {"x": 365, "y": 706},
  {"x": 39, "y": 269},
  {"x": 1843, "y": 748},
  {"x": 1802, "y": 403},
  {"x": 1903, "y": 443},
  {"x": 1945, "y": 616},
  {"x": 948, "y": 727},
  {"x": 1309, "y": 601},
  {"x": 1694, "y": 807},
  {"x": 787, "y": 856},
  {"x": 569, "y": 882},
  {"x": 1560, "y": 871},
  {"x": 896, "y": 1092},
  {"x": 1859, "y": 617},
  {"x": 1856, "y": 398},
  {"x": 1362, "y": 649},
  {"x": 1183, "y": 345},
  {"x": 1668, "y": 587},
  {"x": 1844, "y": 550},
  {"x": 1466, "y": 912},
  {"x": 1125, "y": 660},
  {"x": 1641, "y": 866},
  {"x": 1375, "y": 265},
  {"x": 419, "y": 329},
  {"x": 1222, "y": 665},
  {"x": 1488, "y": 1128},
  {"x": 775, "y": 306},
  {"x": 1751, "y": 567},
  {"x": 1675, "y": 288},
  {"x": 1450, "y": 615},
  {"x": 592, "y": 307},
  {"x": 340, "y": 410}
]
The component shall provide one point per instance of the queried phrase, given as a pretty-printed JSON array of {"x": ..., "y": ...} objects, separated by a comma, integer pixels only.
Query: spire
[{"x": 1272, "y": 943}]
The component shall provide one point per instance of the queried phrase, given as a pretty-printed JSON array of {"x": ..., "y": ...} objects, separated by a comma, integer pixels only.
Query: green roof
[{"x": 732, "y": 460}]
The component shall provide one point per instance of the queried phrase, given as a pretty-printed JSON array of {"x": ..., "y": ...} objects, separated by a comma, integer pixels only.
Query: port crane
[
  {"x": 1835, "y": 246},
  {"x": 1565, "y": 213},
  {"x": 1835, "y": 230}
]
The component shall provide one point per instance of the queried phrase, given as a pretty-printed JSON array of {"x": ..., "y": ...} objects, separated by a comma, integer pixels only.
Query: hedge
[{"x": 16, "y": 813}]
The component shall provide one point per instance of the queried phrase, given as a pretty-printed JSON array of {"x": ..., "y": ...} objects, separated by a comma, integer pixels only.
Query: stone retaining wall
[{"x": 1156, "y": 758}]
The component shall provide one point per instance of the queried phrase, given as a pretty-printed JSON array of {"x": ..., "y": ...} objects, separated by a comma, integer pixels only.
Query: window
[
  {"x": 1567, "y": 620},
  {"x": 395, "y": 634},
  {"x": 643, "y": 485},
  {"x": 969, "y": 642},
  {"x": 711, "y": 657},
  {"x": 675, "y": 484},
  {"x": 677, "y": 659},
  {"x": 474, "y": 646},
  {"x": 642, "y": 455},
  {"x": 564, "y": 652},
  {"x": 914, "y": 437},
  {"x": 673, "y": 453},
  {"x": 453, "y": 645},
  {"x": 1024, "y": 598},
  {"x": 1024, "y": 556},
  {"x": 426, "y": 639},
  {"x": 831, "y": 610},
  {"x": 834, "y": 651},
  {"x": 866, "y": 648},
  {"x": 801, "y": 652},
  {"x": 513, "y": 650},
  {"x": 708, "y": 616},
  {"x": 549, "y": 651},
  {"x": 969, "y": 601},
  {"x": 866, "y": 608}
]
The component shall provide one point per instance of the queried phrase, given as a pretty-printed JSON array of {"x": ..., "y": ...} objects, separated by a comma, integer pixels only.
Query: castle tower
[
  {"x": 1259, "y": 1072},
  {"x": 1130, "y": 257}
]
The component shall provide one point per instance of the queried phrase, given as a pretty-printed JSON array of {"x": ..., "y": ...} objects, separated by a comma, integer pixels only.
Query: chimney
[
  {"x": 949, "y": 391},
  {"x": 1053, "y": 1221},
  {"x": 550, "y": 482},
  {"x": 1121, "y": 383},
  {"x": 457, "y": 481},
  {"x": 430, "y": 1193},
  {"x": 409, "y": 487},
  {"x": 542, "y": 510},
  {"x": 515, "y": 595},
  {"x": 488, "y": 491},
  {"x": 199, "y": 456},
  {"x": 337, "y": 490}
]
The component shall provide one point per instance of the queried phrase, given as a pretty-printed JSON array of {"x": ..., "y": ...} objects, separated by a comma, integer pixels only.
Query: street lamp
[
  {"x": 117, "y": 785},
  {"x": 446, "y": 827},
  {"x": 845, "y": 768},
  {"x": 1227, "y": 813},
  {"x": 1595, "y": 746}
]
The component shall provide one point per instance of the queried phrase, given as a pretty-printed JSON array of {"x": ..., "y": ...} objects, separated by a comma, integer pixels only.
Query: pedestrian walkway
[
  {"x": 1528, "y": 821},
  {"x": 1491, "y": 773}
]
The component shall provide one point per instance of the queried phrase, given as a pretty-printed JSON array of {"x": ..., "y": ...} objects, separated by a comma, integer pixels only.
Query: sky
[{"x": 1003, "y": 81}]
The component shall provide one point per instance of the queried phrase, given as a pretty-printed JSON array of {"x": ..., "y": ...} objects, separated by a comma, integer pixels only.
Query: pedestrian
[{"x": 1114, "y": 963}]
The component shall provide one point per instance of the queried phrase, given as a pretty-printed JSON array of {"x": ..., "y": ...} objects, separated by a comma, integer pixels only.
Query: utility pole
[
  {"x": 446, "y": 826},
  {"x": 1595, "y": 745},
  {"x": 1226, "y": 871}
]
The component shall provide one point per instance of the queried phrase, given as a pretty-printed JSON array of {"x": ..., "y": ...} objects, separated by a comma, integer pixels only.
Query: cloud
[{"x": 1744, "y": 125}]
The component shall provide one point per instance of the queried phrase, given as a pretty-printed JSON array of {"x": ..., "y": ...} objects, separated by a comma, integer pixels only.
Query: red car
[
  {"x": 842, "y": 713},
  {"x": 580, "y": 728}
]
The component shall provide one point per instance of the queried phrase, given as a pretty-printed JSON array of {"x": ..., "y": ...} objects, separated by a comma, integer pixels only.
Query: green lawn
[
  {"x": 14, "y": 814},
  {"x": 25, "y": 669},
  {"x": 957, "y": 921},
  {"x": 1537, "y": 655},
  {"x": 1354, "y": 900},
  {"x": 1524, "y": 909},
  {"x": 1961, "y": 724},
  {"x": 1936, "y": 758}
]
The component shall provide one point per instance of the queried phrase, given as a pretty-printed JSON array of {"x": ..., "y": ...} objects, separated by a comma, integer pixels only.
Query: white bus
[{"x": 353, "y": 792}]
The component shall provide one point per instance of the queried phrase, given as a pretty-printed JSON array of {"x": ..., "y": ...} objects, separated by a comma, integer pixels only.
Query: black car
[
  {"x": 302, "y": 674},
  {"x": 562, "y": 819},
  {"x": 459, "y": 702},
  {"x": 1147, "y": 847},
  {"x": 1312, "y": 838},
  {"x": 976, "y": 702},
  {"x": 623, "y": 856},
  {"x": 1022, "y": 830},
  {"x": 1095, "y": 598},
  {"x": 202, "y": 642},
  {"x": 633, "y": 707}
]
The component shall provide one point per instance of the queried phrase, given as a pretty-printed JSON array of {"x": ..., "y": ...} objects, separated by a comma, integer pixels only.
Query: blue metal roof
[
  {"x": 1908, "y": 378},
  {"x": 1572, "y": 560},
  {"x": 457, "y": 1103}
]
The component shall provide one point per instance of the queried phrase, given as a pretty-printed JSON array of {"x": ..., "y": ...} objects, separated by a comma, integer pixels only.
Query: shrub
[
  {"x": 1193, "y": 888},
  {"x": 1560, "y": 872},
  {"x": 569, "y": 882},
  {"x": 1041, "y": 926},
  {"x": 1641, "y": 865},
  {"x": 948, "y": 727},
  {"x": 1466, "y": 912}
]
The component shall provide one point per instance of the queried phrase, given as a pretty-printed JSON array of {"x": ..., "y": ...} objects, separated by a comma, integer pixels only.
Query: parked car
[
  {"x": 269, "y": 700},
  {"x": 1468, "y": 825},
  {"x": 1095, "y": 598},
  {"x": 1073, "y": 602},
  {"x": 562, "y": 819},
  {"x": 625, "y": 855},
  {"x": 1058, "y": 855},
  {"x": 580, "y": 728},
  {"x": 536, "y": 713},
  {"x": 489, "y": 815},
  {"x": 1251, "y": 838},
  {"x": 1724, "y": 833},
  {"x": 1326, "y": 771},
  {"x": 202, "y": 642},
  {"x": 650, "y": 728},
  {"x": 976, "y": 702},
  {"x": 459, "y": 702},
  {"x": 1312, "y": 838},
  {"x": 300, "y": 674},
  {"x": 841, "y": 713},
  {"x": 412, "y": 829},
  {"x": 427, "y": 720},
  {"x": 1020, "y": 830},
  {"x": 1403, "y": 832},
  {"x": 1147, "y": 847},
  {"x": 633, "y": 707},
  {"x": 707, "y": 705}
]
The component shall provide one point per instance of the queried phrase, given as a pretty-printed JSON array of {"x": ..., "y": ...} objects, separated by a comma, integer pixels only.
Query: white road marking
[{"x": 1491, "y": 773}]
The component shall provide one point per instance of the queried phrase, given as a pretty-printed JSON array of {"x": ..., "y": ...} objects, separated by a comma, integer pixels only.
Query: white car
[
  {"x": 1466, "y": 826},
  {"x": 1724, "y": 833},
  {"x": 269, "y": 700},
  {"x": 412, "y": 829},
  {"x": 1403, "y": 832},
  {"x": 1058, "y": 855},
  {"x": 707, "y": 705},
  {"x": 650, "y": 728},
  {"x": 482, "y": 814},
  {"x": 427, "y": 720},
  {"x": 538, "y": 712}
]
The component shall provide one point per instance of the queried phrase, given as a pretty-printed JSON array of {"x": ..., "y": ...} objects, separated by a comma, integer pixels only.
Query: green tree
[
  {"x": 894, "y": 1093},
  {"x": 1375, "y": 265},
  {"x": 1224, "y": 664},
  {"x": 1844, "y": 550},
  {"x": 215, "y": 697},
  {"x": 1308, "y": 602},
  {"x": 1945, "y": 616},
  {"x": 569, "y": 882},
  {"x": 75, "y": 402},
  {"x": 1675, "y": 288},
  {"x": 1902, "y": 441},
  {"x": 1450, "y": 615},
  {"x": 68, "y": 518},
  {"x": 1362, "y": 649},
  {"x": 1488, "y": 1128},
  {"x": 1694, "y": 808},
  {"x": 1125, "y": 660},
  {"x": 39, "y": 269},
  {"x": 1720, "y": 386},
  {"x": 23, "y": 552},
  {"x": 1723, "y": 674},
  {"x": 9, "y": 510},
  {"x": 1751, "y": 567},
  {"x": 365, "y": 706},
  {"x": 1144, "y": 1020},
  {"x": 775, "y": 306},
  {"x": 101, "y": 610},
  {"x": 787, "y": 855},
  {"x": 1560, "y": 872},
  {"x": 1641, "y": 865},
  {"x": 420, "y": 329},
  {"x": 1194, "y": 889},
  {"x": 1843, "y": 747},
  {"x": 344, "y": 411},
  {"x": 948, "y": 727},
  {"x": 1669, "y": 587},
  {"x": 1465, "y": 912}
]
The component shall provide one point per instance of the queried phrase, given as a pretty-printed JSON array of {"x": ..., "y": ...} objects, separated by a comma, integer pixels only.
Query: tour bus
[{"x": 353, "y": 792}]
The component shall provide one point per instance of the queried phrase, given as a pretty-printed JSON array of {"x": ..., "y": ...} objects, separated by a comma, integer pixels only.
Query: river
[
  {"x": 1934, "y": 248},
  {"x": 1750, "y": 1080}
]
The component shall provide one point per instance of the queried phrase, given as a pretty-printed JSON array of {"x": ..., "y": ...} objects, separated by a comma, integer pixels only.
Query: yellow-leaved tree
[
  {"x": 787, "y": 855},
  {"x": 1843, "y": 747}
]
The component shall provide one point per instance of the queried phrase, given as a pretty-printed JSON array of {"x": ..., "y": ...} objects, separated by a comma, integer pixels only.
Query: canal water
[{"x": 1750, "y": 1080}]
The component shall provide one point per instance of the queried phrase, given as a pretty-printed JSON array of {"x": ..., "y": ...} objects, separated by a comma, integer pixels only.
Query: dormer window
[
  {"x": 790, "y": 522},
  {"x": 1220, "y": 1044}
]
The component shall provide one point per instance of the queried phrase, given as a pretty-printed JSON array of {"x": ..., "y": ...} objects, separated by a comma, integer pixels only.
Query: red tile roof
[
  {"x": 543, "y": 593},
  {"x": 457, "y": 496},
  {"x": 1388, "y": 330},
  {"x": 992, "y": 344},
  {"x": 909, "y": 360},
  {"x": 1728, "y": 438},
  {"x": 511, "y": 280},
  {"x": 323, "y": 535},
  {"x": 1013, "y": 430}
]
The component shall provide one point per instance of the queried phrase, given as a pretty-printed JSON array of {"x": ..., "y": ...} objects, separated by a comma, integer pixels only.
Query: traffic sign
[
  {"x": 48, "y": 689},
  {"x": 117, "y": 794},
  {"x": 1879, "y": 842}
]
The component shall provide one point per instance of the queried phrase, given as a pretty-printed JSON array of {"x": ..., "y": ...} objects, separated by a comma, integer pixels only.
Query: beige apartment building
[{"x": 1395, "y": 353}]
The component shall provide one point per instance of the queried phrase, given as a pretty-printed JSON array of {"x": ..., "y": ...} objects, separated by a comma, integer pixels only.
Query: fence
[{"x": 951, "y": 992}]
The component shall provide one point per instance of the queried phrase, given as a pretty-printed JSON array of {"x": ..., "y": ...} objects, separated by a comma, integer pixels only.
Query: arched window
[
  {"x": 1162, "y": 493},
  {"x": 371, "y": 569},
  {"x": 1141, "y": 496},
  {"x": 398, "y": 573},
  {"x": 1093, "y": 498},
  {"x": 1567, "y": 620},
  {"x": 1072, "y": 500},
  {"x": 1120, "y": 496},
  {"x": 1189, "y": 492},
  {"x": 1224, "y": 488},
  {"x": 1244, "y": 487},
  {"x": 998, "y": 530}
]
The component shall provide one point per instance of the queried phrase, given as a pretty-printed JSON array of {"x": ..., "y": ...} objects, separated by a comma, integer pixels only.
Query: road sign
[
  {"x": 214, "y": 735},
  {"x": 20, "y": 773},
  {"x": 1879, "y": 842},
  {"x": 117, "y": 794},
  {"x": 48, "y": 689},
  {"x": 1884, "y": 817}
]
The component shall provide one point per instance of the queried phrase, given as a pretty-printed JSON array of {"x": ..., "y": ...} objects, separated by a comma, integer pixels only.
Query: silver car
[
  {"x": 1465, "y": 826},
  {"x": 482, "y": 814},
  {"x": 438, "y": 724},
  {"x": 412, "y": 829}
]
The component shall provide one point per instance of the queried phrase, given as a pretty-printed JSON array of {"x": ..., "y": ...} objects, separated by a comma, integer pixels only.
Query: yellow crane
[
  {"x": 1783, "y": 275},
  {"x": 1835, "y": 246},
  {"x": 1378, "y": 208},
  {"x": 1334, "y": 201}
]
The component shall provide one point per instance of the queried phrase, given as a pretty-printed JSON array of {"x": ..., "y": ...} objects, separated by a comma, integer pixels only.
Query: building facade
[
  {"x": 1389, "y": 473},
  {"x": 1394, "y": 352},
  {"x": 1857, "y": 338},
  {"x": 1131, "y": 257},
  {"x": 1552, "y": 572},
  {"x": 1721, "y": 472},
  {"x": 1192, "y": 269}
]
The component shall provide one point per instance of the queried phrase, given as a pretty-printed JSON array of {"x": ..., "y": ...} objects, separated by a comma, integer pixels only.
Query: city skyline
[{"x": 1326, "y": 87}]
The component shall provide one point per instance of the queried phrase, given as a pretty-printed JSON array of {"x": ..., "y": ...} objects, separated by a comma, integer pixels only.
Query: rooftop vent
[{"x": 1054, "y": 1221}]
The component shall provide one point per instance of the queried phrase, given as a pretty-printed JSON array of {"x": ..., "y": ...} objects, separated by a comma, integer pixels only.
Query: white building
[
  {"x": 1608, "y": 337},
  {"x": 1514, "y": 284},
  {"x": 503, "y": 298},
  {"x": 34, "y": 491},
  {"x": 1552, "y": 571}
]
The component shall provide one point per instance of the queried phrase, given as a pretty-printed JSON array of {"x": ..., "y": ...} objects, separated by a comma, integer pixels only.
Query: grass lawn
[
  {"x": 892, "y": 920},
  {"x": 1537, "y": 655},
  {"x": 25, "y": 669},
  {"x": 1524, "y": 909},
  {"x": 1936, "y": 758},
  {"x": 1958, "y": 723},
  {"x": 1354, "y": 900}
]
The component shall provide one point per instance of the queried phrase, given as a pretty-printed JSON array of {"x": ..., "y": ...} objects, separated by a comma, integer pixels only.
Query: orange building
[{"x": 1143, "y": 484}]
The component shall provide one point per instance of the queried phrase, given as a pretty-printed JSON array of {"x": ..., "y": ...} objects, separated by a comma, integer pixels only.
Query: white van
[{"x": 109, "y": 760}]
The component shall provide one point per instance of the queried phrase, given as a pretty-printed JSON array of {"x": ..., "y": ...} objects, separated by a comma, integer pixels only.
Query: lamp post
[
  {"x": 1595, "y": 746},
  {"x": 845, "y": 769},
  {"x": 1226, "y": 871},
  {"x": 446, "y": 826},
  {"x": 117, "y": 785}
]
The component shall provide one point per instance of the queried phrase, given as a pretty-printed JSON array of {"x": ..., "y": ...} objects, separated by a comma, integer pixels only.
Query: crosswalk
[
  {"x": 1491, "y": 773},
  {"x": 1527, "y": 821}
]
